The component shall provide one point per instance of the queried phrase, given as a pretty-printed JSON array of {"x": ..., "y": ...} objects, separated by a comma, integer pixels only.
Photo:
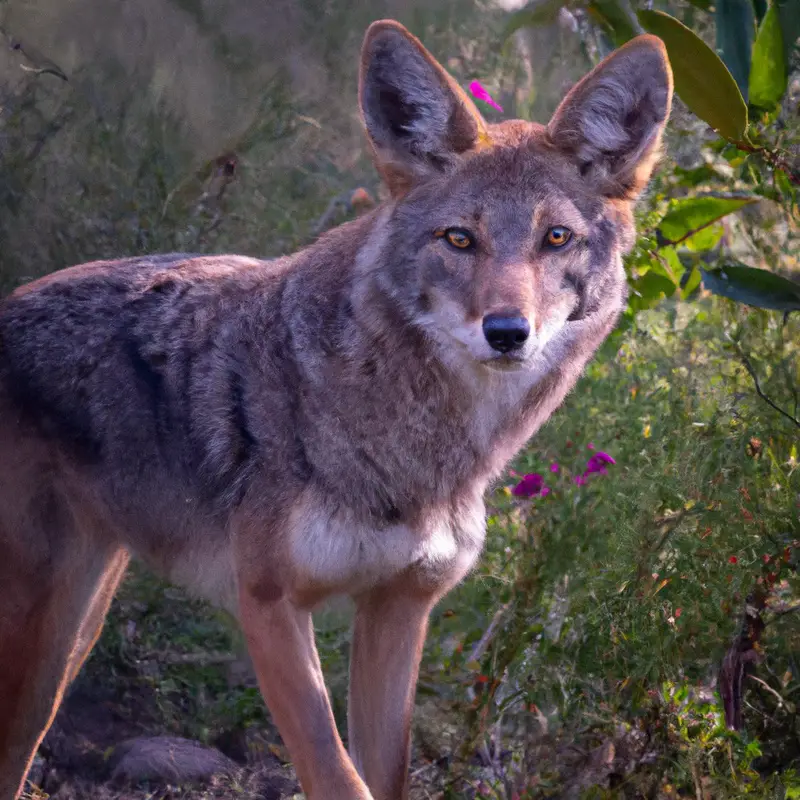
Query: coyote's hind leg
[{"x": 52, "y": 607}]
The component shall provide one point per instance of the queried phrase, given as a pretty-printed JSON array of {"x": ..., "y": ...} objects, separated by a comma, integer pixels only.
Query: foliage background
[{"x": 583, "y": 657}]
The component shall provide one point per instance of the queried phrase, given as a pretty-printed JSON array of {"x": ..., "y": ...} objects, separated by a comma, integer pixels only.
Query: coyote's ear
[
  {"x": 418, "y": 119},
  {"x": 611, "y": 121}
]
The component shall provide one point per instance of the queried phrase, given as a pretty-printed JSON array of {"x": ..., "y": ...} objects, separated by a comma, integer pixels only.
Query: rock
[{"x": 169, "y": 759}]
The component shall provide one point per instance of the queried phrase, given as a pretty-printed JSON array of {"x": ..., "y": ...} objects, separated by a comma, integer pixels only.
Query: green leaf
[
  {"x": 618, "y": 17},
  {"x": 689, "y": 215},
  {"x": 754, "y": 287},
  {"x": 786, "y": 192},
  {"x": 793, "y": 792},
  {"x": 536, "y": 12},
  {"x": 736, "y": 27},
  {"x": 768, "y": 76},
  {"x": 705, "y": 173},
  {"x": 690, "y": 281},
  {"x": 706, "y": 238},
  {"x": 649, "y": 290},
  {"x": 671, "y": 265},
  {"x": 701, "y": 79}
]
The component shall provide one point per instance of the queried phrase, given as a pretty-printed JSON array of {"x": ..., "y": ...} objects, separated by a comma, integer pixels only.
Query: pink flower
[
  {"x": 478, "y": 91},
  {"x": 554, "y": 467},
  {"x": 580, "y": 480},
  {"x": 529, "y": 486},
  {"x": 545, "y": 491},
  {"x": 590, "y": 446}
]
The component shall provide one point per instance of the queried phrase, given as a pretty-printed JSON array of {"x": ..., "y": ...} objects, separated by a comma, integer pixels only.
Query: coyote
[{"x": 270, "y": 433}]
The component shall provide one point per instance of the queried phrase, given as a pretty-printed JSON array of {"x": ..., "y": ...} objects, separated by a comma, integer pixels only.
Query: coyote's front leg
[
  {"x": 389, "y": 633},
  {"x": 280, "y": 639}
]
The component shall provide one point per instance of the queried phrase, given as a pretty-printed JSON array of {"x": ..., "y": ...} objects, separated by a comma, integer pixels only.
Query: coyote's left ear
[
  {"x": 611, "y": 121},
  {"x": 418, "y": 119}
]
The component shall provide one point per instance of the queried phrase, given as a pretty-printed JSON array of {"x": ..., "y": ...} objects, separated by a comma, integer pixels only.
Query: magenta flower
[
  {"x": 597, "y": 463},
  {"x": 554, "y": 467},
  {"x": 590, "y": 446},
  {"x": 529, "y": 486},
  {"x": 545, "y": 491},
  {"x": 478, "y": 91}
]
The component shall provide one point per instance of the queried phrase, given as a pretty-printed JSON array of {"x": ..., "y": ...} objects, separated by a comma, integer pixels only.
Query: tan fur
[{"x": 269, "y": 434}]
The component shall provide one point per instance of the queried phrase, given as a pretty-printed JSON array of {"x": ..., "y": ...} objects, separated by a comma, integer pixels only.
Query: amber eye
[
  {"x": 558, "y": 236},
  {"x": 457, "y": 237}
]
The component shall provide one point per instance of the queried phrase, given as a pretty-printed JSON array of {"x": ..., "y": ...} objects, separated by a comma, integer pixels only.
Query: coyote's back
[{"x": 272, "y": 433}]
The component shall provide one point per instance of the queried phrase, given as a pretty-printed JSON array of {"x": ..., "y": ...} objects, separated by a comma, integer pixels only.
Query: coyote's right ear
[{"x": 419, "y": 121}]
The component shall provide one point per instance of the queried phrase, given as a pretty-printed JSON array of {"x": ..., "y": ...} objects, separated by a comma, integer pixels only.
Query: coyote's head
[{"x": 500, "y": 236}]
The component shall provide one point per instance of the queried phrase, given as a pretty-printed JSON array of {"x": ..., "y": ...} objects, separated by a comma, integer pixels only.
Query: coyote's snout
[{"x": 271, "y": 433}]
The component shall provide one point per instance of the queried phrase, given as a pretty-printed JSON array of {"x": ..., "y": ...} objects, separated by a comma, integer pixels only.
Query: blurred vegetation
[{"x": 630, "y": 634}]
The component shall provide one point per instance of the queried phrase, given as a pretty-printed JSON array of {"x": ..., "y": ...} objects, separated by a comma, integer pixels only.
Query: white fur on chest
[{"x": 333, "y": 551}]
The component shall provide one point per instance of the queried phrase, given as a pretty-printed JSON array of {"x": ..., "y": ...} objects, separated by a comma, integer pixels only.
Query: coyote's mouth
[{"x": 506, "y": 362}]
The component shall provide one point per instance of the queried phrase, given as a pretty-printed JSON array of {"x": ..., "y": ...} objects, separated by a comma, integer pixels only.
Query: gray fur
[{"x": 268, "y": 433}]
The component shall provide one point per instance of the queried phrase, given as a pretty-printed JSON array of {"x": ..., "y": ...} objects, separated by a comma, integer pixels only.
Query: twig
[
  {"x": 790, "y": 385},
  {"x": 41, "y": 64},
  {"x": 202, "y": 659},
  {"x": 671, "y": 523},
  {"x": 662, "y": 241},
  {"x": 781, "y": 701},
  {"x": 351, "y": 200},
  {"x": 698, "y": 786},
  {"x": 775, "y": 160},
  {"x": 480, "y": 646},
  {"x": 782, "y": 610},
  {"x": 45, "y": 71},
  {"x": 51, "y": 130},
  {"x": 767, "y": 400}
]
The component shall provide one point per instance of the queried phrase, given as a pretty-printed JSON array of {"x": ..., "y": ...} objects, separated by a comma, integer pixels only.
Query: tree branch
[{"x": 774, "y": 159}]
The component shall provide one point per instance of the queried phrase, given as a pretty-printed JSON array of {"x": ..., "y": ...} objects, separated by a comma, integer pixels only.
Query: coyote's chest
[{"x": 333, "y": 551}]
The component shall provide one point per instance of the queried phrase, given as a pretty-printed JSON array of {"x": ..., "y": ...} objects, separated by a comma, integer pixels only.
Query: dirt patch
[{"x": 76, "y": 757}]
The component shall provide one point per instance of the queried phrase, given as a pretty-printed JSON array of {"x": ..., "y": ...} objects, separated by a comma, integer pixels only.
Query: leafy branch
[{"x": 774, "y": 158}]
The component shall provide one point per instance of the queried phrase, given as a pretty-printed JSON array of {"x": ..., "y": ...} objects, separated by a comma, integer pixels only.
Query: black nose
[{"x": 506, "y": 332}]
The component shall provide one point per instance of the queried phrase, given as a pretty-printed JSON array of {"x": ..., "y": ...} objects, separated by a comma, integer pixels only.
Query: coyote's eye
[
  {"x": 457, "y": 237},
  {"x": 558, "y": 236}
]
